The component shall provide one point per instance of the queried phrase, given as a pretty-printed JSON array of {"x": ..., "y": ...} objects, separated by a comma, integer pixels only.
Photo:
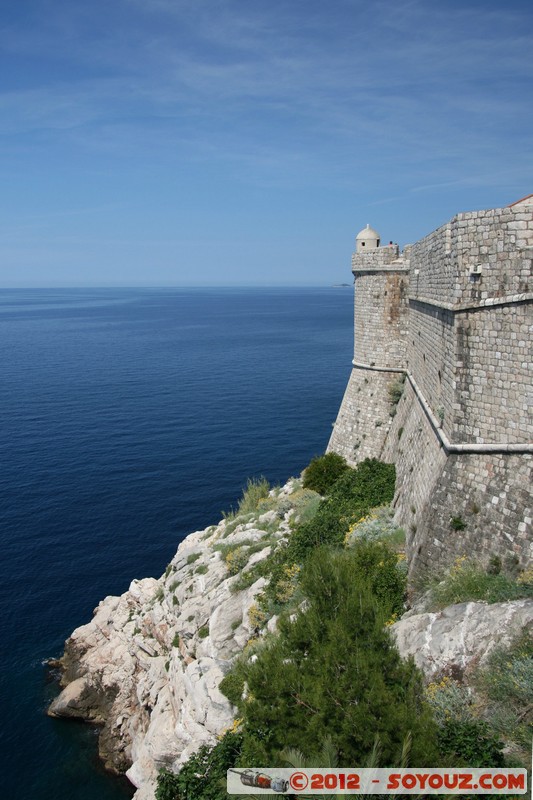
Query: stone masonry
[{"x": 452, "y": 316}]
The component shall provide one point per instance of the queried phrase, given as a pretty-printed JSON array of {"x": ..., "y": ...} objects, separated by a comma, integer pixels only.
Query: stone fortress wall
[{"x": 452, "y": 315}]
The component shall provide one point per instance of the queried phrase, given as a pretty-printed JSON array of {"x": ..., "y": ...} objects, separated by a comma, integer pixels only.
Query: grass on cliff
[
  {"x": 505, "y": 686},
  {"x": 466, "y": 580},
  {"x": 316, "y": 522},
  {"x": 256, "y": 489}
]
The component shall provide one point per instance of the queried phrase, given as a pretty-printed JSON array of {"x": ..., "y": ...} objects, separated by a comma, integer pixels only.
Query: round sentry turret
[{"x": 366, "y": 239}]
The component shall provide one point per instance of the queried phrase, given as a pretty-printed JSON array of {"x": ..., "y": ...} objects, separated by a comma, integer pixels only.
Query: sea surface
[{"x": 129, "y": 418}]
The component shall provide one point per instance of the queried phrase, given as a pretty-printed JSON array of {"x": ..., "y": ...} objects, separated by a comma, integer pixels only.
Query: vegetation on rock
[
  {"x": 323, "y": 472},
  {"x": 331, "y": 679},
  {"x": 467, "y": 580},
  {"x": 334, "y": 671},
  {"x": 203, "y": 777}
]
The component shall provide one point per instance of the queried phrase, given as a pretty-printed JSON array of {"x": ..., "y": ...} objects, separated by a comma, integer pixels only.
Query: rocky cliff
[{"x": 148, "y": 665}]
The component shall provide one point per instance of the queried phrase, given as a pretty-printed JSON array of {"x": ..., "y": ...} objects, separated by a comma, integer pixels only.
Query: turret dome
[{"x": 366, "y": 239}]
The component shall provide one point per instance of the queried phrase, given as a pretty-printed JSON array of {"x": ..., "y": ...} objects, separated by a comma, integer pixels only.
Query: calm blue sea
[{"x": 130, "y": 417}]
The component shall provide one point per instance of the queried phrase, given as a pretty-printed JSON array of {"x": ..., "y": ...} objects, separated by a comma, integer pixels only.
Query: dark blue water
[{"x": 129, "y": 419}]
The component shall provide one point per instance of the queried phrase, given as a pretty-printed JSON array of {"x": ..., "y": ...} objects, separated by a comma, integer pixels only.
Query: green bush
[
  {"x": 323, "y": 472},
  {"x": 236, "y": 560},
  {"x": 203, "y": 633},
  {"x": 395, "y": 392},
  {"x": 232, "y": 685},
  {"x": 470, "y": 743},
  {"x": 467, "y": 581},
  {"x": 457, "y": 523},
  {"x": 203, "y": 776},
  {"x": 376, "y": 565},
  {"x": 352, "y": 497},
  {"x": 305, "y": 503},
  {"x": 450, "y": 699},
  {"x": 167, "y": 786},
  {"x": 332, "y": 671},
  {"x": 245, "y": 579}
]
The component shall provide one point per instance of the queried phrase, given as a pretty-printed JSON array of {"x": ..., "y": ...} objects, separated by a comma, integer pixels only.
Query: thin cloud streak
[{"x": 173, "y": 104}]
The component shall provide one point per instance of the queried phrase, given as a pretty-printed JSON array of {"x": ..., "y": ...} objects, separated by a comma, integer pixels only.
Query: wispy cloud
[{"x": 391, "y": 100}]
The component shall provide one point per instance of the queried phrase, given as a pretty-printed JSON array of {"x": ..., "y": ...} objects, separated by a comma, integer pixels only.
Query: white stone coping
[
  {"x": 450, "y": 447},
  {"x": 489, "y": 302}
]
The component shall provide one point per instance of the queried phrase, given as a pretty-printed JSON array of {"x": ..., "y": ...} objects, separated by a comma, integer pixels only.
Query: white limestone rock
[
  {"x": 462, "y": 636},
  {"x": 144, "y": 665}
]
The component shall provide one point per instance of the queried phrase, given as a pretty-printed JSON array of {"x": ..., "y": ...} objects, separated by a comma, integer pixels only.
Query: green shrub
[
  {"x": 305, "y": 503},
  {"x": 232, "y": 685},
  {"x": 236, "y": 560},
  {"x": 333, "y": 670},
  {"x": 245, "y": 579},
  {"x": 167, "y": 786},
  {"x": 395, "y": 392},
  {"x": 203, "y": 776},
  {"x": 450, "y": 699},
  {"x": 323, "y": 472},
  {"x": 378, "y": 525},
  {"x": 352, "y": 497},
  {"x": 202, "y": 569},
  {"x": 470, "y": 743},
  {"x": 457, "y": 523},
  {"x": 193, "y": 557},
  {"x": 376, "y": 565},
  {"x": 203, "y": 633},
  {"x": 467, "y": 581},
  {"x": 267, "y": 504}
]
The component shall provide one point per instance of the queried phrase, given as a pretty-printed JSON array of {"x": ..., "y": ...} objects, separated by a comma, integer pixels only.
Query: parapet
[{"x": 378, "y": 258}]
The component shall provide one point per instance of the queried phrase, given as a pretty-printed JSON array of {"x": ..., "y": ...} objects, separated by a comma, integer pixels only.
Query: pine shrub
[
  {"x": 323, "y": 472},
  {"x": 333, "y": 670}
]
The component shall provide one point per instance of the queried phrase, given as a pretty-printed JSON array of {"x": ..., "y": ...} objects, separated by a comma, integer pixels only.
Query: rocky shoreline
[{"x": 148, "y": 665}]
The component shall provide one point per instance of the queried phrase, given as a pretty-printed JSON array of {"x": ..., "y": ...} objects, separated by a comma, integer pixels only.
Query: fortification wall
[
  {"x": 488, "y": 494},
  {"x": 420, "y": 460},
  {"x": 364, "y": 418},
  {"x": 380, "y": 331},
  {"x": 470, "y": 345},
  {"x": 456, "y": 315},
  {"x": 431, "y": 358},
  {"x": 493, "y": 376},
  {"x": 497, "y": 240},
  {"x": 455, "y": 505}
]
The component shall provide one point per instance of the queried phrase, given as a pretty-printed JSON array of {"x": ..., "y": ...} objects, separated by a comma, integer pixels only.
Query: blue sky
[{"x": 191, "y": 142}]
